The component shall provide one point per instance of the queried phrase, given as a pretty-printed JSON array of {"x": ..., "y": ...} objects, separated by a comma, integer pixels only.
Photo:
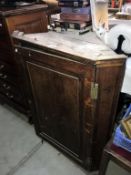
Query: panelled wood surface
[
  {"x": 28, "y": 20},
  {"x": 65, "y": 112},
  {"x": 57, "y": 104},
  {"x": 34, "y": 22}
]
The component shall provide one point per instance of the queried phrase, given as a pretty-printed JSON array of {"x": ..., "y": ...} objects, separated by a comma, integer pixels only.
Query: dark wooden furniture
[
  {"x": 73, "y": 87},
  {"x": 29, "y": 20},
  {"x": 116, "y": 154}
]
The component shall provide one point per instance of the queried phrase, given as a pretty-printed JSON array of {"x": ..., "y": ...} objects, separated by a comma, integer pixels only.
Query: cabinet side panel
[{"x": 109, "y": 76}]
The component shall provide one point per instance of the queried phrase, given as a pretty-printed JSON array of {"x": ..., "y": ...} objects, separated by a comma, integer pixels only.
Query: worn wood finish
[
  {"x": 60, "y": 86},
  {"x": 109, "y": 154},
  {"x": 108, "y": 96},
  {"x": 34, "y": 22},
  {"x": 61, "y": 109},
  {"x": 28, "y": 20}
]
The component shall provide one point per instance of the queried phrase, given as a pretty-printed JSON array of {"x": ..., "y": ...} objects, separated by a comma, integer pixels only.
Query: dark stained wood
[
  {"x": 111, "y": 74},
  {"x": 65, "y": 113},
  {"x": 34, "y": 22},
  {"x": 110, "y": 154},
  {"x": 28, "y": 20},
  {"x": 62, "y": 109}
]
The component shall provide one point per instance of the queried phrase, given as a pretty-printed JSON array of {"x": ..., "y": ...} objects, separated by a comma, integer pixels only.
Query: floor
[{"x": 22, "y": 153}]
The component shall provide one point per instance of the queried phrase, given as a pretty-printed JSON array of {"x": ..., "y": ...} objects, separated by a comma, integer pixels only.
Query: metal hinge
[{"x": 94, "y": 90}]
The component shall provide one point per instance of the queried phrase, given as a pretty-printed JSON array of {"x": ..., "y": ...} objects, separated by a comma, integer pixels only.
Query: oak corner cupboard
[{"x": 73, "y": 86}]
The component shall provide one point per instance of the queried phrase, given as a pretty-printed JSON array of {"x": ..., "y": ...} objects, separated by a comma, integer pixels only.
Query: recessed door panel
[{"x": 57, "y": 104}]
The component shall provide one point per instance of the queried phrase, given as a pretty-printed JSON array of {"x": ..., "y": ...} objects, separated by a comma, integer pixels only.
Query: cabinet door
[{"x": 56, "y": 95}]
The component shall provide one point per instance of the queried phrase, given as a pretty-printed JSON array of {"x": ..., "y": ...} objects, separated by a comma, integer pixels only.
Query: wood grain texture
[
  {"x": 87, "y": 47},
  {"x": 117, "y": 155},
  {"x": 57, "y": 110},
  {"x": 29, "y": 19},
  {"x": 34, "y": 22},
  {"x": 65, "y": 113}
]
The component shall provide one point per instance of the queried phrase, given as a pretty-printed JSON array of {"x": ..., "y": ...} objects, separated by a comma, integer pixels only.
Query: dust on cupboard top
[{"x": 82, "y": 48}]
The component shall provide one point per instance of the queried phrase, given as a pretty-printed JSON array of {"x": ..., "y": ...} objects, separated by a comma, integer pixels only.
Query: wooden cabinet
[
  {"x": 34, "y": 21},
  {"x": 28, "y": 20},
  {"x": 74, "y": 98}
]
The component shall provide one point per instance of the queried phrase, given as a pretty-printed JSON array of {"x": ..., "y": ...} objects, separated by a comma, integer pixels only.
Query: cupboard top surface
[{"x": 86, "y": 46}]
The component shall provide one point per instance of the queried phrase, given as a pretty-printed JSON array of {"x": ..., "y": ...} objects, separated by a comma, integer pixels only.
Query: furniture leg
[{"x": 104, "y": 163}]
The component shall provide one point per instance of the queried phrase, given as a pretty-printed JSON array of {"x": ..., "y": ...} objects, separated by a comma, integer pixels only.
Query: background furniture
[
  {"x": 116, "y": 154},
  {"x": 73, "y": 86},
  {"x": 27, "y": 19}
]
